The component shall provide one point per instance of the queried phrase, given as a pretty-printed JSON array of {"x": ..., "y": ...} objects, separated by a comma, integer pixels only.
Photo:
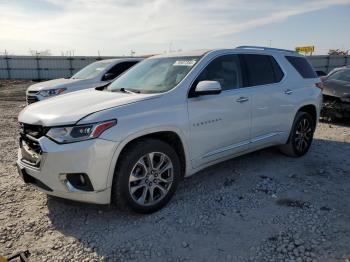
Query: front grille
[
  {"x": 31, "y": 149},
  {"x": 32, "y": 99},
  {"x": 35, "y": 131},
  {"x": 33, "y": 92}
]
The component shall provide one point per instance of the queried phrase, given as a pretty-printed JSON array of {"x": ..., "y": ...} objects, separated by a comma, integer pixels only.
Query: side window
[
  {"x": 224, "y": 69},
  {"x": 117, "y": 70},
  {"x": 277, "y": 70},
  {"x": 302, "y": 66},
  {"x": 260, "y": 70}
]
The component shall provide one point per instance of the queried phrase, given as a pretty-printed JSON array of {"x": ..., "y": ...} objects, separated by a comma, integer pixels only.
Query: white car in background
[{"x": 94, "y": 75}]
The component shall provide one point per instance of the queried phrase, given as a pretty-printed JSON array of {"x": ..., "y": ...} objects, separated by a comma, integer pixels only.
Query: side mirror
[
  {"x": 208, "y": 88},
  {"x": 108, "y": 76}
]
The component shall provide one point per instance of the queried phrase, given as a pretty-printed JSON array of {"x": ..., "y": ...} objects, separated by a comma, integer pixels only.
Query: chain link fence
[{"x": 51, "y": 67}]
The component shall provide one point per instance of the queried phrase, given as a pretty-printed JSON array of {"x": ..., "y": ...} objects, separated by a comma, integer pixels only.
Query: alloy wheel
[
  {"x": 303, "y": 135},
  {"x": 151, "y": 178}
]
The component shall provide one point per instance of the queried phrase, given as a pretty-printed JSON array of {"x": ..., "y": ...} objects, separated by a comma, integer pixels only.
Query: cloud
[
  {"x": 117, "y": 26},
  {"x": 281, "y": 15}
]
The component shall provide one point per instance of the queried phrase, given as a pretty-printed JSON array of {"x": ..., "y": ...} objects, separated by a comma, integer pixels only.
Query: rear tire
[
  {"x": 146, "y": 176},
  {"x": 301, "y": 136}
]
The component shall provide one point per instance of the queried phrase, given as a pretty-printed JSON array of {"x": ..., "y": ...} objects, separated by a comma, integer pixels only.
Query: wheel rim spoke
[
  {"x": 161, "y": 162},
  {"x": 163, "y": 190},
  {"x": 134, "y": 178},
  {"x": 165, "y": 168},
  {"x": 166, "y": 180},
  {"x": 142, "y": 198},
  {"x": 135, "y": 188},
  {"x": 304, "y": 144},
  {"x": 150, "y": 159},
  {"x": 306, "y": 125},
  {"x": 143, "y": 164},
  {"x": 151, "y": 193}
]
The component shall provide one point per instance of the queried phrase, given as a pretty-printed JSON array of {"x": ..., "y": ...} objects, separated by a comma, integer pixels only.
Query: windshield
[
  {"x": 155, "y": 75},
  {"x": 342, "y": 75},
  {"x": 91, "y": 70}
]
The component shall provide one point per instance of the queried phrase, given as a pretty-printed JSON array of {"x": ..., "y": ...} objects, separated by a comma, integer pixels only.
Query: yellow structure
[{"x": 305, "y": 49}]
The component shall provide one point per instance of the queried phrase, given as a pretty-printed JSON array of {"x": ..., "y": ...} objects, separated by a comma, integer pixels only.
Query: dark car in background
[{"x": 336, "y": 93}]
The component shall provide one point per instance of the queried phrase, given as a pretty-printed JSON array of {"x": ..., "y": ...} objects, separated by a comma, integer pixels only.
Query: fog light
[{"x": 79, "y": 182}]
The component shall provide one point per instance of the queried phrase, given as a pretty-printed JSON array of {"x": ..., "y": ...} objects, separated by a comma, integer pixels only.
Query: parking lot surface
[{"x": 262, "y": 206}]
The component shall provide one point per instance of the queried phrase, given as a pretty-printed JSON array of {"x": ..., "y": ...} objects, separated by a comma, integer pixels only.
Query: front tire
[
  {"x": 146, "y": 176},
  {"x": 301, "y": 136}
]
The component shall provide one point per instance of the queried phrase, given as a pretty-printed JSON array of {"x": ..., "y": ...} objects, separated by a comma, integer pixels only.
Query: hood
[
  {"x": 70, "y": 108},
  {"x": 56, "y": 83},
  {"x": 336, "y": 88}
]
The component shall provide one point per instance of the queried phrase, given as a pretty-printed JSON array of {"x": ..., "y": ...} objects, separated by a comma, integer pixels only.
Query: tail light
[{"x": 319, "y": 85}]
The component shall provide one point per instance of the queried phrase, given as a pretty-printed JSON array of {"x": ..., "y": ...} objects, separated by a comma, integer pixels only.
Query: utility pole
[{"x": 7, "y": 65}]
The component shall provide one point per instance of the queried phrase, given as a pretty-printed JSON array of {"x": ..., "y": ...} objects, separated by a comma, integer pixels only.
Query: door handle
[
  {"x": 288, "y": 92},
  {"x": 242, "y": 99}
]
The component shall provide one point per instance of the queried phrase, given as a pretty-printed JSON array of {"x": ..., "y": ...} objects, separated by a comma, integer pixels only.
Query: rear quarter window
[{"x": 302, "y": 66}]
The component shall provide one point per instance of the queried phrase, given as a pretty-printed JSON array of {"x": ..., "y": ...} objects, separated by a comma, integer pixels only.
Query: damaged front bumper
[
  {"x": 77, "y": 171},
  {"x": 335, "y": 107}
]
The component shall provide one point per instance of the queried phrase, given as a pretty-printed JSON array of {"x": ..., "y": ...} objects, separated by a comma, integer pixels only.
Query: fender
[{"x": 139, "y": 134}]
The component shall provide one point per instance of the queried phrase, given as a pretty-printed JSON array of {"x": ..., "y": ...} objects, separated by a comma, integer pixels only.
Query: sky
[{"x": 118, "y": 27}]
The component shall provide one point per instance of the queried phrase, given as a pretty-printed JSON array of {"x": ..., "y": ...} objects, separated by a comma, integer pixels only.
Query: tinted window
[
  {"x": 302, "y": 66},
  {"x": 277, "y": 70},
  {"x": 118, "y": 69},
  {"x": 225, "y": 70},
  {"x": 260, "y": 70},
  {"x": 342, "y": 75}
]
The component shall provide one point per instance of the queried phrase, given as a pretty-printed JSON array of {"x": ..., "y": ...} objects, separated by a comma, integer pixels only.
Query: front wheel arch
[
  {"x": 160, "y": 133},
  {"x": 121, "y": 195}
]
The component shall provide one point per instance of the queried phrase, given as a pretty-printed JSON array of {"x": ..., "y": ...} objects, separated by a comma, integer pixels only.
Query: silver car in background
[
  {"x": 336, "y": 94},
  {"x": 94, "y": 75}
]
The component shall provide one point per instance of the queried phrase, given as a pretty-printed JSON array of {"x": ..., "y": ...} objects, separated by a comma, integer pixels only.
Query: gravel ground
[{"x": 277, "y": 209}]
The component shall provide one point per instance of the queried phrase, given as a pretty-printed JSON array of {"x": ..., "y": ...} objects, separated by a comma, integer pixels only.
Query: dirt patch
[{"x": 292, "y": 203}]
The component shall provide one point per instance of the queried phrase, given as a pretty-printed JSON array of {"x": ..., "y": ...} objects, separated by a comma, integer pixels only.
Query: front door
[{"x": 219, "y": 124}]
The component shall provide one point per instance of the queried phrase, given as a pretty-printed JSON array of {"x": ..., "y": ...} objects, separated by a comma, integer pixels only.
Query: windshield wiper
[{"x": 129, "y": 91}]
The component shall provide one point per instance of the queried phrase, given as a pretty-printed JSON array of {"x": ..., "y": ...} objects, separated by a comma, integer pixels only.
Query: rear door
[
  {"x": 272, "y": 103},
  {"x": 219, "y": 124}
]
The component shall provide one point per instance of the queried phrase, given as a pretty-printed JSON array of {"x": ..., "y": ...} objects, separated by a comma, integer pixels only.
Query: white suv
[
  {"x": 96, "y": 74},
  {"x": 168, "y": 117}
]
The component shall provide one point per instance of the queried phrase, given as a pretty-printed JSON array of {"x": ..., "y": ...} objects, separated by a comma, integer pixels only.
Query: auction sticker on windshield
[{"x": 185, "y": 62}]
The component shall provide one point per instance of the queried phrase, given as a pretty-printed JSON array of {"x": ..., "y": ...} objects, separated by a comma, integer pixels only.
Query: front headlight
[
  {"x": 70, "y": 134},
  {"x": 52, "y": 92}
]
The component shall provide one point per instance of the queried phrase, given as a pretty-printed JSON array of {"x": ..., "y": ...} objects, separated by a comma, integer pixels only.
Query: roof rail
[{"x": 264, "y": 48}]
